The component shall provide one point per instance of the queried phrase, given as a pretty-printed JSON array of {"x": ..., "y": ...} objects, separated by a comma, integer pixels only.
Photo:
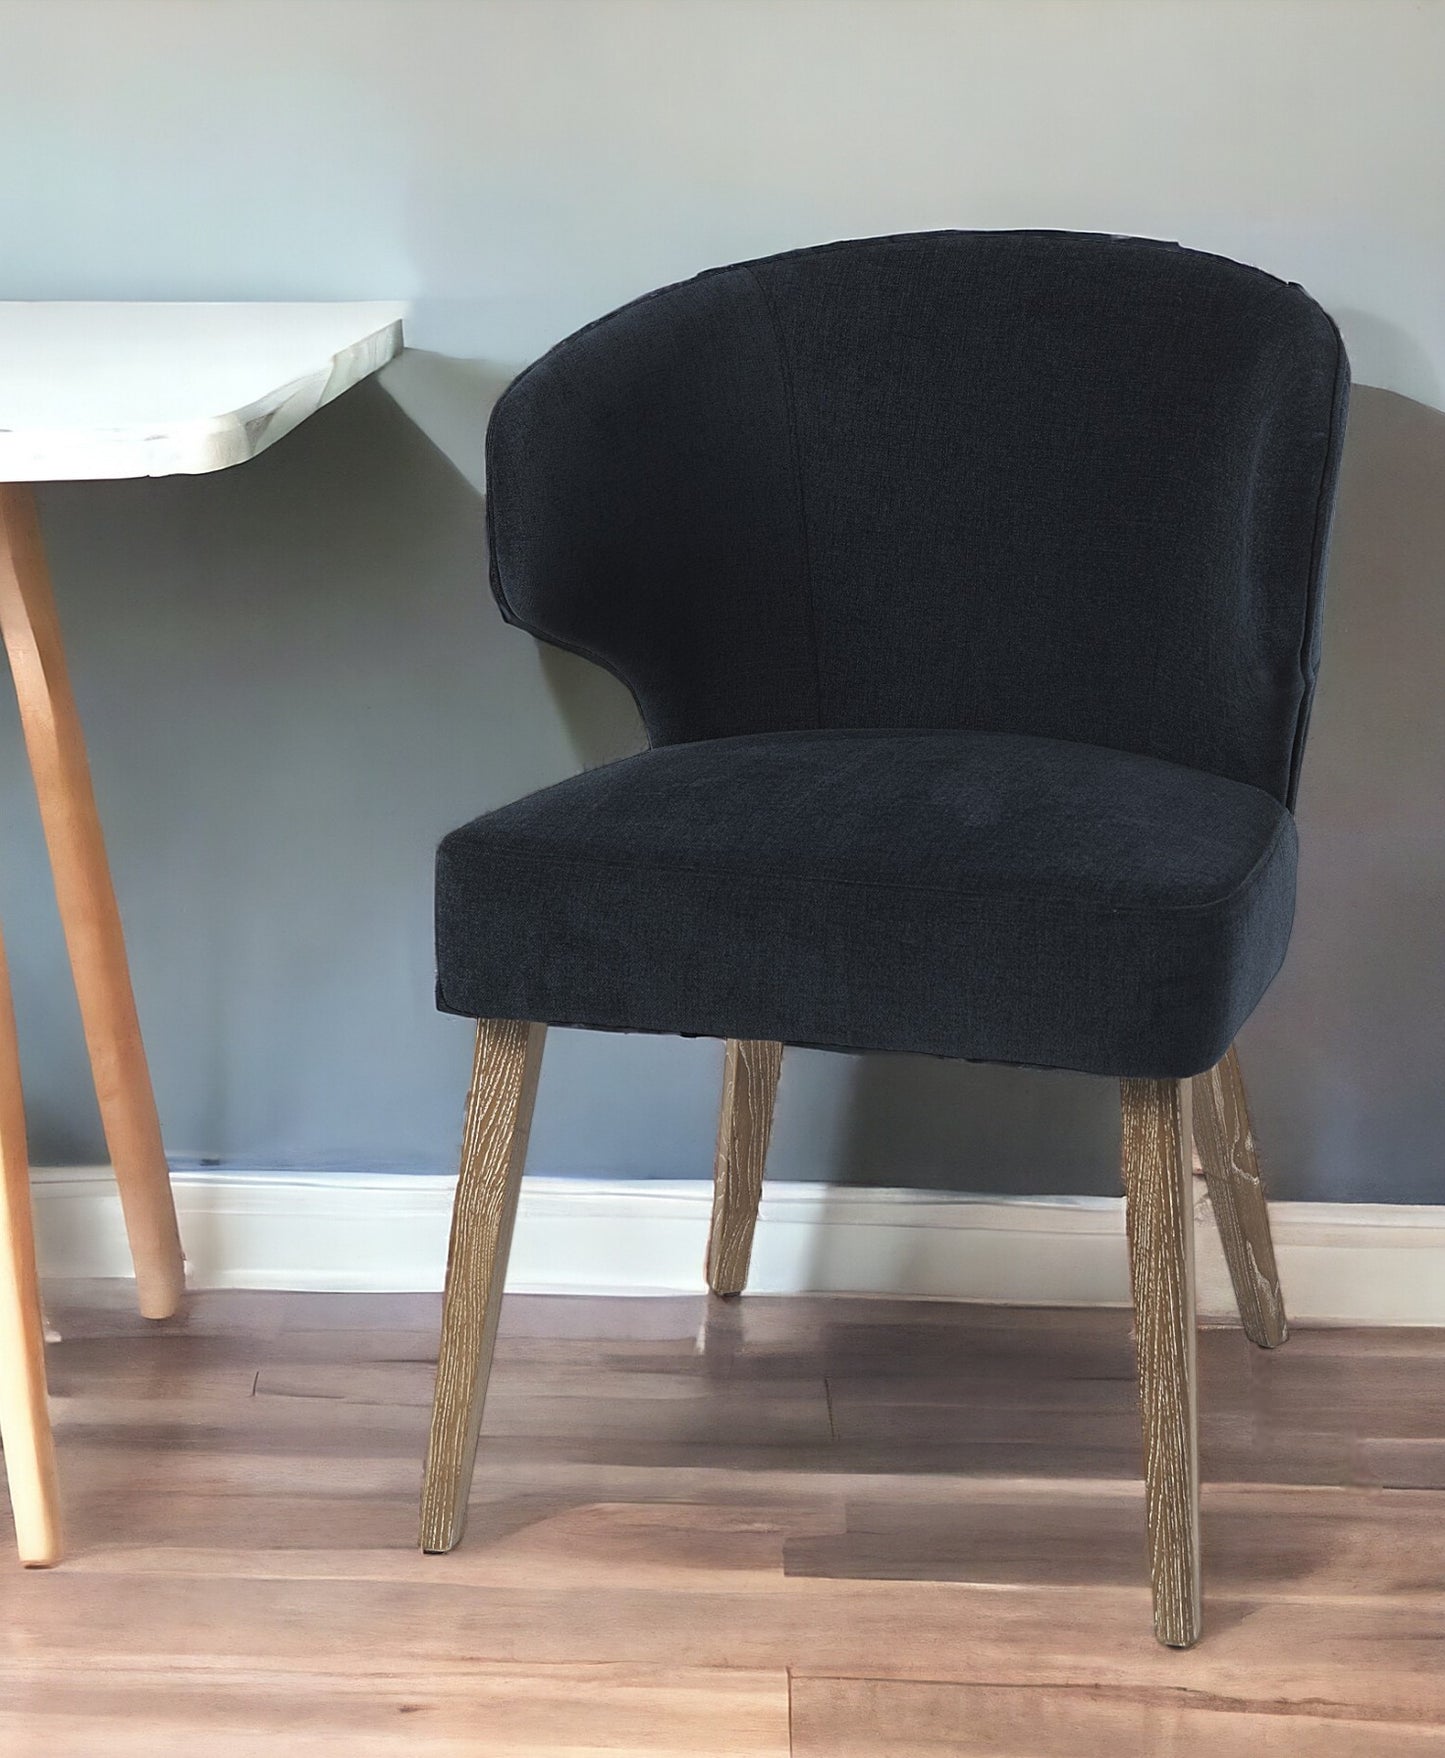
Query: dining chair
[{"x": 968, "y": 585}]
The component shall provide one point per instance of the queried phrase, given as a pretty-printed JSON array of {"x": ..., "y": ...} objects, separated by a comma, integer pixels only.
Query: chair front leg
[
  {"x": 1157, "y": 1177},
  {"x": 751, "y": 1067},
  {"x": 1225, "y": 1140},
  {"x": 494, "y": 1149}
]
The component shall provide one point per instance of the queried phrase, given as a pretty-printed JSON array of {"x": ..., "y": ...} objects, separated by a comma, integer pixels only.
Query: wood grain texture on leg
[
  {"x": 88, "y": 910},
  {"x": 751, "y": 1067},
  {"x": 24, "y": 1408},
  {"x": 494, "y": 1148},
  {"x": 1225, "y": 1139},
  {"x": 1156, "y": 1164}
]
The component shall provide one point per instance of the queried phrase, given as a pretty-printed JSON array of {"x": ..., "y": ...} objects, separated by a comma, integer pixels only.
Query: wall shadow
[
  {"x": 1343, "y": 1054},
  {"x": 451, "y": 402},
  {"x": 293, "y": 683}
]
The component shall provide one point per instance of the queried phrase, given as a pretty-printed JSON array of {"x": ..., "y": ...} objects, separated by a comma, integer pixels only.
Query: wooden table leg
[
  {"x": 88, "y": 909},
  {"x": 24, "y": 1410}
]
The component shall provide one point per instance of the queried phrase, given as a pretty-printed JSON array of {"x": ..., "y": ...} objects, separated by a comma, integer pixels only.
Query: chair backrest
[{"x": 1053, "y": 483}]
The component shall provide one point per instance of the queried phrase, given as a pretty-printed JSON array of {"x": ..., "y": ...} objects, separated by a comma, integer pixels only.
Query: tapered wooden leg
[
  {"x": 1236, "y": 1193},
  {"x": 24, "y": 1412},
  {"x": 88, "y": 909},
  {"x": 494, "y": 1148},
  {"x": 1157, "y": 1179},
  {"x": 751, "y": 1067}
]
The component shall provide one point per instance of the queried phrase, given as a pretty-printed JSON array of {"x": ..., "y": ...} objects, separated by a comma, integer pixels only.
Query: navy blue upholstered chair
[{"x": 969, "y": 587}]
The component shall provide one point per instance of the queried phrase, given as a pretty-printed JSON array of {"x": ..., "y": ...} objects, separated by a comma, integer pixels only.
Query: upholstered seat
[
  {"x": 981, "y": 895},
  {"x": 1069, "y": 491}
]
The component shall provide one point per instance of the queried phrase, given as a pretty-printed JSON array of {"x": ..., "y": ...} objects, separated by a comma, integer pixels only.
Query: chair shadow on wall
[{"x": 1338, "y": 1055}]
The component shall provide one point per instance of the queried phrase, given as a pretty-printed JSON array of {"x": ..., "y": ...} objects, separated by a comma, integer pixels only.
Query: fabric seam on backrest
[
  {"x": 790, "y": 409},
  {"x": 510, "y": 615},
  {"x": 1314, "y": 585}
]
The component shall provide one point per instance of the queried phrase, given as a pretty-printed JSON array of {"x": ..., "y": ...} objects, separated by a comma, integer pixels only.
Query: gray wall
[{"x": 292, "y": 675}]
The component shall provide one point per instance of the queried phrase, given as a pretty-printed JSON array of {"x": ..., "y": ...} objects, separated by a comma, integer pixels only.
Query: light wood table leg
[
  {"x": 88, "y": 910},
  {"x": 1160, "y": 1215},
  {"x": 751, "y": 1067},
  {"x": 24, "y": 1411}
]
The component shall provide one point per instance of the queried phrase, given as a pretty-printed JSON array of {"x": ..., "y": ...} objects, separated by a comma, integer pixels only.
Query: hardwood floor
[{"x": 826, "y": 1527}]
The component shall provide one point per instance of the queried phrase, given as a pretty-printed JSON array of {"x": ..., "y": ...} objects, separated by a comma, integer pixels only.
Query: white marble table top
[{"x": 130, "y": 389}]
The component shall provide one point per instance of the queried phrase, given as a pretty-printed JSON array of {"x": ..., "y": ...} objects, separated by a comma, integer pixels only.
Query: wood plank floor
[{"x": 826, "y": 1527}]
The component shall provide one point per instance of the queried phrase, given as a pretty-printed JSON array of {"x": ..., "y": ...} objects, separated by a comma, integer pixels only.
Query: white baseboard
[{"x": 1341, "y": 1263}]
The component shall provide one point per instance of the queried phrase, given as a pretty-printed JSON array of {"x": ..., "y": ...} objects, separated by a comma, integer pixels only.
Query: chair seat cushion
[{"x": 978, "y": 895}]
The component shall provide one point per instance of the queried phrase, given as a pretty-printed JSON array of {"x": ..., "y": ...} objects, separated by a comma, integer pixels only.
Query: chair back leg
[
  {"x": 751, "y": 1067},
  {"x": 494, "y": 1149},
  {"x": 1225, "y": 1141},
  {"x": 1157, "y": 1179}
]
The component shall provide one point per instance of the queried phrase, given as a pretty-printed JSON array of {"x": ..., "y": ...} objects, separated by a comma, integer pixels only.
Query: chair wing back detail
[{"x": 1022, "y": 482}]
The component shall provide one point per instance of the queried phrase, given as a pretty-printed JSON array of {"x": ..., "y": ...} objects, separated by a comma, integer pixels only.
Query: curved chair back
[{"x": 1030, "y": 482}]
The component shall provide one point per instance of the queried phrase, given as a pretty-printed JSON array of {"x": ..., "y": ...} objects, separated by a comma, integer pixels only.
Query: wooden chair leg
[
  {"x": 1225, "y": 1140},
  {"x": 494, "y": 1149},
  {"x": 1157, "y": 1179},
  {"x": 751, "y": 1067},
  {"x": 88, "y": 911},
  {"x": 24, "y": 1410}
]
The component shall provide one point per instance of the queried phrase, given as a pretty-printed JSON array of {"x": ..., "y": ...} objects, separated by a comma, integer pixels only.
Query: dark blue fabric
[
  {"x": 1062, "y": 487},
  {"x": 1009, "y": 482},
  {"x": 981, "y": 895}
]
